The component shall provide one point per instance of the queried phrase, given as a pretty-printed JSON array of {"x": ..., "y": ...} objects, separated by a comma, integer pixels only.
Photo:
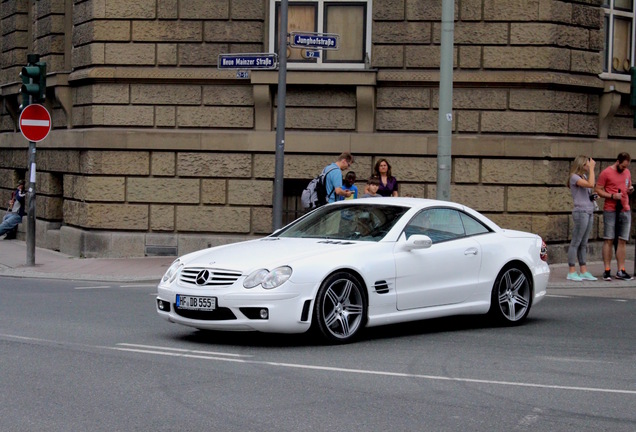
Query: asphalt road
[{"x": 80, "y": 356}]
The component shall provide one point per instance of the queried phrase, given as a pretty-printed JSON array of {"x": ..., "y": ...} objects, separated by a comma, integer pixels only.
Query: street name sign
[
  {"x": 248, "y": 61},
  {"x": 35, "y": 122},
  {"x": 315, "y": 40}
]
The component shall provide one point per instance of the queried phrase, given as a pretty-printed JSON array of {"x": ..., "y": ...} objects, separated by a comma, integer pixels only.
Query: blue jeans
[
  {"x": 578, "y": 246},
  {"x": 9, "y": 221}
]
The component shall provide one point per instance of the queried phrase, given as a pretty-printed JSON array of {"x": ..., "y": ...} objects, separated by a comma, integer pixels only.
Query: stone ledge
[
  {"x": 489, "y": 78},
  {"x": 482, "y": 145},
  {"x": 149, "y": 74}
]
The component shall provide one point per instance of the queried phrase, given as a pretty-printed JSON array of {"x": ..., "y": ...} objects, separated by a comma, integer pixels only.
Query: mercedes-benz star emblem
[{"x": 203, "y": 277}]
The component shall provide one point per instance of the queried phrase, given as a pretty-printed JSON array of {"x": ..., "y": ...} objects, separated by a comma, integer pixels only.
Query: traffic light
[{"x": 33, "y": 75}]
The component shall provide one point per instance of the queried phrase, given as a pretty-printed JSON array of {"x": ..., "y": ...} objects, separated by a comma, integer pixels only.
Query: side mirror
[{"x": 419, "y": 241}]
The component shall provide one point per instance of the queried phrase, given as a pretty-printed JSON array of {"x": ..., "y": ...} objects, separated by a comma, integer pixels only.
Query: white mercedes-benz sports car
[{"x": 356, "y": 264}]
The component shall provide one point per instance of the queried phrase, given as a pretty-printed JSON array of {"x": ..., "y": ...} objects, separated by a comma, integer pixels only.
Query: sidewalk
[{"x": 54, "y": 265}]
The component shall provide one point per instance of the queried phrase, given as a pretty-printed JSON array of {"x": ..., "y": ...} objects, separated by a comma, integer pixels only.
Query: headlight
[
  {"x": 255, "y": 278},
  {"x": 268, "y": 279},
  {"x": 277, "y": 277},
  {"x": 172, "y": 272}
]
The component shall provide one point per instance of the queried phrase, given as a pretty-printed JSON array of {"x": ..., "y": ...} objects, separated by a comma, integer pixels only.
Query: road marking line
[
  {"x": 228, "y": 358},
  {"x": 391, "y": 374},
  {"x": 141, "y": 347},
  {"x": 530, "y": 419},
  {"x": 111, "y": 286},
  {"x": 92, "y": 287},
  {"x": 575, "y": 360}
]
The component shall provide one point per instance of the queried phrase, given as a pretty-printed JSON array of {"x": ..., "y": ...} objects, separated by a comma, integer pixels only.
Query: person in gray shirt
[{"x": 581, "y": 183}]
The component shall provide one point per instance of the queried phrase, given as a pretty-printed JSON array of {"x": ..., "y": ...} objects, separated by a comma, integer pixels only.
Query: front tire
[
  {"x": 340, "y": 309},
  {"x": 511, "y": 296}
]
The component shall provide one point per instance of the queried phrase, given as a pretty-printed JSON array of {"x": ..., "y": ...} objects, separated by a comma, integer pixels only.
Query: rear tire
[
  {"x": 511, "y": 296},
  {"x": 340, "y": 309}
]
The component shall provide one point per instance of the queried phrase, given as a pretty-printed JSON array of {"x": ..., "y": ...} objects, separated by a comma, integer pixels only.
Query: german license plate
[{"x": 196, "y": 302}]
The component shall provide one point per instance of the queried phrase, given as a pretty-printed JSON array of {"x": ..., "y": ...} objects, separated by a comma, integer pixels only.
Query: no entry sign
[{"x": 35, "y": 122}]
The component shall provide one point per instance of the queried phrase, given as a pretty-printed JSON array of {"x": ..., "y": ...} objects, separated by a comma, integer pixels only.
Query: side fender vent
[
  {"x": 381, "y": 287},
  {"x": 304, "y": 316}
]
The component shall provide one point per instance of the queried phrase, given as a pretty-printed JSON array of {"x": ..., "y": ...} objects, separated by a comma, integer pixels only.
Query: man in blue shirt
[{"x": 334, "y": 177}]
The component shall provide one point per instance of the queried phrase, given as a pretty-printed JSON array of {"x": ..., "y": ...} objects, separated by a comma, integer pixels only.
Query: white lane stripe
[
  {"x": 181, "y": 350},
  {"x": 140, "y": 348},
  {"x": 181, "y": 353},
  {"x": 28, "y": 122},
  {"x": 92, "y": 287},
  {"x": 120, "y": 286},
  {"x": 391, "y": 374},
  {"x": 576, "y": 360}
]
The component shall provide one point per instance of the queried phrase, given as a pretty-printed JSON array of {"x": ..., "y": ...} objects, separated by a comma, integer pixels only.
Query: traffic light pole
[
  {"x": 33, "y": 90},
  {"x": 31, "y": 212}
]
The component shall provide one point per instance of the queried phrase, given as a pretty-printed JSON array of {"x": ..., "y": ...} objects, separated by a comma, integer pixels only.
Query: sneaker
[
  {"x": 574, "y": 277},
  {"x": 587, "y": 276},
  {"x": 623, "y": 275},
  {"x": 607, "y": 275}
]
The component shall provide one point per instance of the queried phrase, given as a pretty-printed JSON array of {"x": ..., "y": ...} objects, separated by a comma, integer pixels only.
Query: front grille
[{"x": 200, "y": 276}]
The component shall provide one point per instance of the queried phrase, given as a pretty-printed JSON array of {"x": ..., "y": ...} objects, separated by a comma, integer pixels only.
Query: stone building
[{"x": 154, "y": 150}]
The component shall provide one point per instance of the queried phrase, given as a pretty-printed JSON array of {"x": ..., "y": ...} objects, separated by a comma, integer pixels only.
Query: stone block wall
[
  {"x": 491, "y": 34},
  {"x": 186, "y": 192},
  {"x": 141, "y": 201},
  {"x": 152, "y": 65},
  {"x": 154, "y": 149}
]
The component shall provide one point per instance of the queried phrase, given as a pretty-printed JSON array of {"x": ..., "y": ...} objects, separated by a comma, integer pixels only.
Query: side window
[
  {"x": 439, "y": 224},
  {"x": 349, "y": 19},
  {"x": 472, "y": 226}
]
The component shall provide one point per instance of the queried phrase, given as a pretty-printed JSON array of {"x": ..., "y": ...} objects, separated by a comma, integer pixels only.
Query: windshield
[{"x": 351, "y": 222}]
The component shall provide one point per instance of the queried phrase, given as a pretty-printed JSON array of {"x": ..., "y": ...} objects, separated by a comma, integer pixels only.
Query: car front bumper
[{"x": 239, "y": 309}]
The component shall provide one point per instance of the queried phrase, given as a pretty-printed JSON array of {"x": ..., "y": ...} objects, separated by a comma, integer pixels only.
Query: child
[
  {"x": 373, "y": 184},
  {"x": 348, "y": 184}
]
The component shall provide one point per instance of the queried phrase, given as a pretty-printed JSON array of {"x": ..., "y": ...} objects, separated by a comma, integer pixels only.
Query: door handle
[{"x": 471, "y": 251}]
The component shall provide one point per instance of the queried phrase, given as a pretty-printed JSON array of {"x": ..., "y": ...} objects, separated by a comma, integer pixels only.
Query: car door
[{"x": 443, "y": 274}]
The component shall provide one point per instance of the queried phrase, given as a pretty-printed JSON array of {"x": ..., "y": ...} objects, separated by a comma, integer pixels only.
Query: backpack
[{"x": 315, "y": 194}]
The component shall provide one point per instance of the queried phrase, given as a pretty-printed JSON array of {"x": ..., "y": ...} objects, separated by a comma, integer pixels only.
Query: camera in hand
[{"x": 593, "y": 197}]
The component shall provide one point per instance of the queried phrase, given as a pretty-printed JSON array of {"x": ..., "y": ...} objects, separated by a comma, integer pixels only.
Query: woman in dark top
[{"x": 388, "y": 183}]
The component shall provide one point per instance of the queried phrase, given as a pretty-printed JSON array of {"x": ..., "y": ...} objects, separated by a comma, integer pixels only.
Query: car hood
[{"x": 270, "y": 252}]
